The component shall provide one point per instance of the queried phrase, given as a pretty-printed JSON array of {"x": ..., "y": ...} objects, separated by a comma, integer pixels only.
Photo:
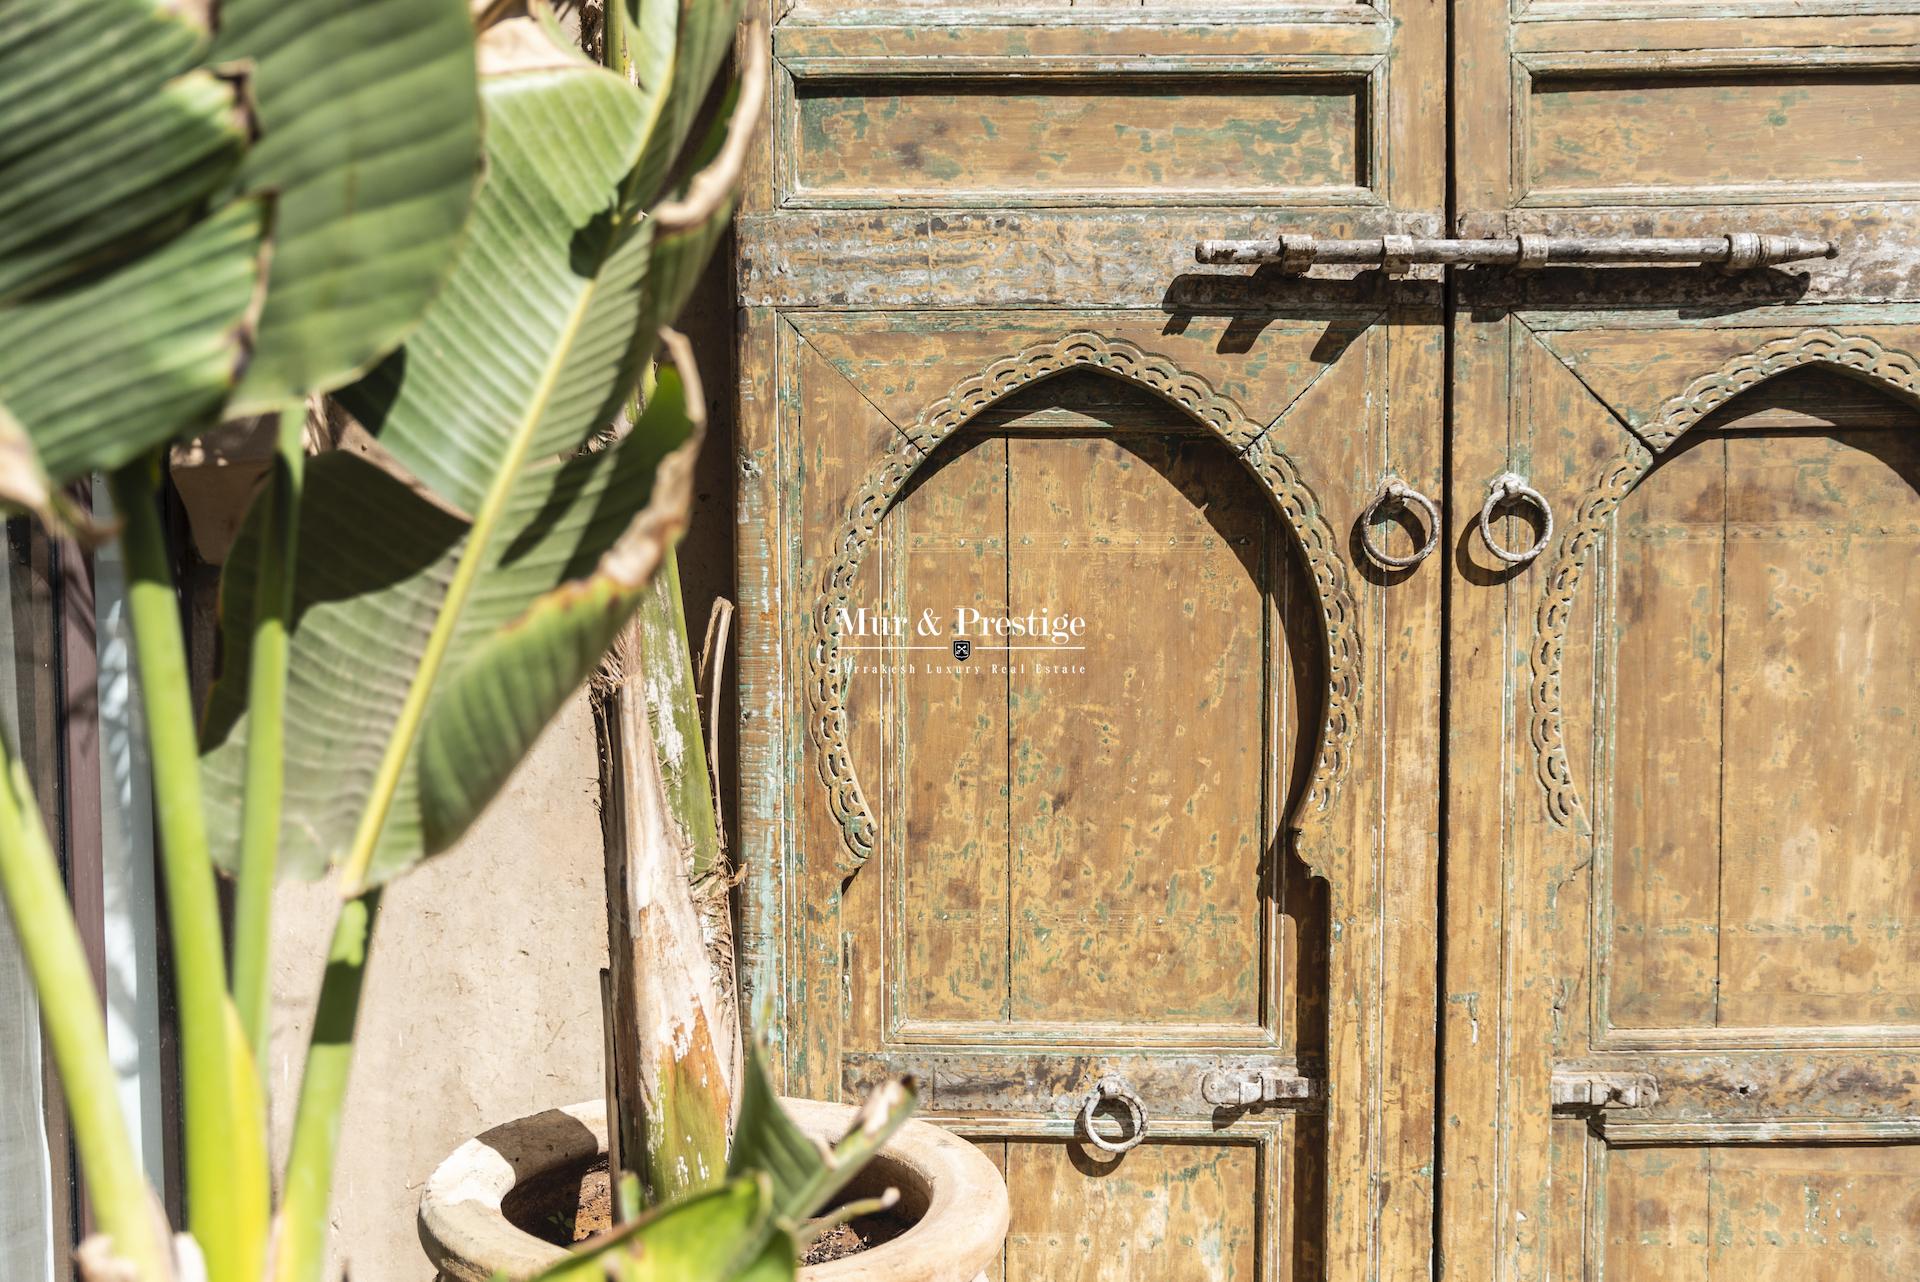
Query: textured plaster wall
[{"x": 482, "y": 1004}]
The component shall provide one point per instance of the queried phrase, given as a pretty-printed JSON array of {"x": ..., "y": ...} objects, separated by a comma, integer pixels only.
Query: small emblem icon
[{"x": 962, "y": 649}]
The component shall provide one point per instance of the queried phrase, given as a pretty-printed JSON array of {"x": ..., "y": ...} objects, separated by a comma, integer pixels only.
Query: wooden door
[
  {"x": 1185, "y": 845},
  {"x": 1682, "y": 993}
]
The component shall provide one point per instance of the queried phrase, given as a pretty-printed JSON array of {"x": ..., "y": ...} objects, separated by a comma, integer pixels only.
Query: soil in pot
[{"x": 571, "y": 1205}]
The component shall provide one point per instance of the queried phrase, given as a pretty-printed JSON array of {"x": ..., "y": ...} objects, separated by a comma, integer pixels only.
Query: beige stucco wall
[{"x": 482, "y": 1001}]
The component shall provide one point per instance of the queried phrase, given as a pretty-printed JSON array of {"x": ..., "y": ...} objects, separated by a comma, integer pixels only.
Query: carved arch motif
[
  {"x": 1219, "y": 414},
  {"x": 1884, "y": 367}
]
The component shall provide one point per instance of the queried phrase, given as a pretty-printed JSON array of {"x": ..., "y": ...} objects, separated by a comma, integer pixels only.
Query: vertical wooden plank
[
  {"x": 757, "y": 183},
  {"x": 1820, "y": 910},
  {"x": 1136, "y": 788},
  {"x": 1475, "y": 1216},
  {"x": 1349, "y": 847},
  {"x": 1568, "y": 1226},
  {"x": 1410, "y": 676},
  {"x": 997, "y": 1150},
  {"x": 760, "y": 833},
  {"x": 1670, "y": 565},
  {"x": 954, "y": 866},
  {"x": 834, "y": 957}
]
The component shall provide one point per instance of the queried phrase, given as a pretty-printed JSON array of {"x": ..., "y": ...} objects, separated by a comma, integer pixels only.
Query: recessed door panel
[
  {"x": 1768, "y": 753},
  {"x": 1169, "y": 1199},
  {"x": 1131, "y": 829},
  {"x": 1080, "y": 823},
  {"x": 1808, "y": 1213}
]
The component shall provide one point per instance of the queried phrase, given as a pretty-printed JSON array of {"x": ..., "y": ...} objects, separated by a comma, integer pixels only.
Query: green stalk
[
  {"x": 123, "y": 1205},
  {"x": 667, "y": 659},
  {"x": 217, "y": 1185},
  {"x": 301, "y": 1250},
  {"x": 266, "y": 734}
]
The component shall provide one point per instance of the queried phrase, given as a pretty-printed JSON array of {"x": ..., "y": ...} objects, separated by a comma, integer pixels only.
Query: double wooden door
[{"x": 1267, "y": 908}]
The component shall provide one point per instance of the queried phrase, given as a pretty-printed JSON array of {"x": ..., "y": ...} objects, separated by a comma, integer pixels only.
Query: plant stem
[
  {"x": 76, "y": 1030},
  {"x": 214, "y": 1182},
  {"x": 672, "y": 1038},
  {"x": 301, "y": 1251},
  {"x": 673, "y": 706},
  {"x": 266, "y": 733}
]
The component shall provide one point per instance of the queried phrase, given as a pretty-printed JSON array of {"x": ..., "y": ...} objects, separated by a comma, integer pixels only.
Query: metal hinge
[
  {"x": 1245, "y": 1088},
  {"x": 1578, "y": 1090},
  {"x": 1734, "y": 252}
]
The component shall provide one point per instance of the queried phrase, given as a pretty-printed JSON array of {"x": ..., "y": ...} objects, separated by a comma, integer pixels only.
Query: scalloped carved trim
[
  {"x": 1864, "y": 356},
  {"x": 1550, "y": 619},
  {"x": 827, "y": 683},
  {"x": 1885, "y": 367}
]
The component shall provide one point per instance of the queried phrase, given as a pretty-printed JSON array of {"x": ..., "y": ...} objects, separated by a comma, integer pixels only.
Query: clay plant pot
[{"x": 952, "y": 1214}]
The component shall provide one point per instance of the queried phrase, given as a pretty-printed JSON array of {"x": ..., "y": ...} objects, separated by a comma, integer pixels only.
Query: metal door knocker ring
[
  {"x": 1395, "y": 492},
  {"x": 1511, "y": 487},
  {"x": 1113, "y": 1087}
]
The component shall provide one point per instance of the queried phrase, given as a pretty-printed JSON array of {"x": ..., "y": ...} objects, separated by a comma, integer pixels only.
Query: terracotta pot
[{"x": 949, "y": 1188}]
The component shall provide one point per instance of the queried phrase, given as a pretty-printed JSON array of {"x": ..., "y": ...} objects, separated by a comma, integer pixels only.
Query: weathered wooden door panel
[
  {"x": 1117, "y": 854},
  {"x": 980, "y": 373},
  {"x": 1682, "y": 977},
  {"x": 1683, "y": 982},
  {"x": 1077, "y": 859}
]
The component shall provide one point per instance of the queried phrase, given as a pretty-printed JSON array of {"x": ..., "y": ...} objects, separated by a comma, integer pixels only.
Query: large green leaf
[
  {"x": 93, "y": 376},
  {"x": 457, "y": 610},
  {"x": 376, "y": 563},
  {"x": 109, "y": 138},
  {"x": 538, "y": 329},
  {"x": 675, "y": 49},
  {"x": 369, "y": 120},
  {"x": 805, "y": 1177},
  {"x": 510, "y": 369},
  {"x": 729, "y": 1234},
  {"x": 519, "y": 662}
]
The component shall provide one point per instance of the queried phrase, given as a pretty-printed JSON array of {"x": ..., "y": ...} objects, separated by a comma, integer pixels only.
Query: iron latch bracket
[
  {"x": 1247, "y": 1088},
  {"x": 1579, "y": 1091}
]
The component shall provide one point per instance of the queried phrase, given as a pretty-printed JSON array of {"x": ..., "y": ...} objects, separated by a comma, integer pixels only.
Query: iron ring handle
[
  {"x": 1511, "y": 487},
  {"x": 1113, "y": 1087},
  {"x": 1396, "y": 491}
]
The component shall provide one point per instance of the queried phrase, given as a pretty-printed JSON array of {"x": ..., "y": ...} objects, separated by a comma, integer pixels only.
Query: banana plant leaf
[
  {"x": 805, "y": 1176},
  {"x": 110, "y": 136},
  {"x": 728, "y": 1234},
  {"x": 461, "y": 579},
  {"x": 369, "y": 120},
  {"x": 672, "y": 49},
  {"x": 94, "y": 375},
  {"x": 136, "y": 221}
]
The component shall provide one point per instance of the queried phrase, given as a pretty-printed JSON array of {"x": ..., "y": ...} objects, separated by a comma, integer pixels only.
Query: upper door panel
[
  {"x": 1031, "y": 154},
  {"x": 1680, "y": 118}
]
